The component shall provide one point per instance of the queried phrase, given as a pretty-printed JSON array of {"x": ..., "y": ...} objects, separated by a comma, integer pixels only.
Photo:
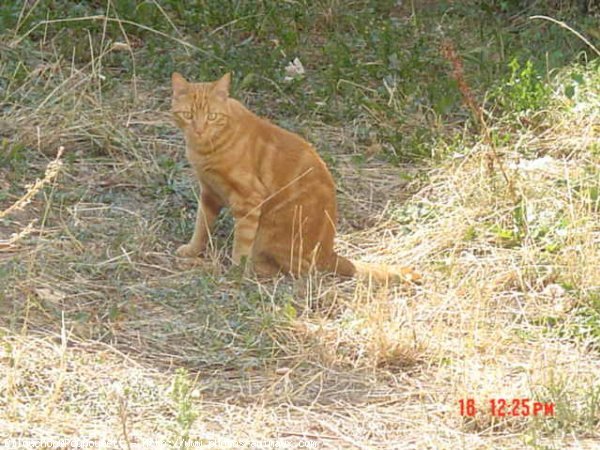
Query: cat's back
[
  {"x": 293, "y": 156},
  {"x": 285, "y": 145},
  {"x": 283, "y": 159}
]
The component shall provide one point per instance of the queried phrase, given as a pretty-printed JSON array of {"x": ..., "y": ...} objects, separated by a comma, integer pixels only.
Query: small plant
[
  {"x": 586, "y": 320},
  {"x": 576, "y": 407},
  {"x": 525, "y": 90},
  {"x": 181, "y": 394}
]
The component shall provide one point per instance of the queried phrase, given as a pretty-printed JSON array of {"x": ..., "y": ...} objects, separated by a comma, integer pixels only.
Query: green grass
[{"x": 356, "y": 67}]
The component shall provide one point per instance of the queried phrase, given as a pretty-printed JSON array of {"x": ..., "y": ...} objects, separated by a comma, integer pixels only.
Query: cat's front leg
[{"x": 208, "y": 210}]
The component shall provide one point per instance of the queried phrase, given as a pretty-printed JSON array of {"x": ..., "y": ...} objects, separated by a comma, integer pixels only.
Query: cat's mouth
[
  {"x": 194, "y": 132},
  {"x": 199, "y": 130}
]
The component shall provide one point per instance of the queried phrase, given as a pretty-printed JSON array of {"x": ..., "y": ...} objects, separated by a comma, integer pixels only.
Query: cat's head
[{"x": 200, "y": 109}]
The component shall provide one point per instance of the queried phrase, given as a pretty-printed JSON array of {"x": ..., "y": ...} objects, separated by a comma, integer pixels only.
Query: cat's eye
[
  {"x": 185, "y": 115},
  {"x": 212, "y": 116}
]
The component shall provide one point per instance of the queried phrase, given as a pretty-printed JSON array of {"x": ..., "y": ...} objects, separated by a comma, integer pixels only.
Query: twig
[
  {"x": 575, "y": 32},
  {"x": 449, "y": 52},
  {"x": 119, "y": 21}
]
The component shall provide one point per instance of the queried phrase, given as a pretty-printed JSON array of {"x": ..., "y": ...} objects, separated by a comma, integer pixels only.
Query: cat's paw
[
  {"x": 241, "y": 268},
  {"x": 188, "y": 251},
  {"x": 240, "y": 259}
]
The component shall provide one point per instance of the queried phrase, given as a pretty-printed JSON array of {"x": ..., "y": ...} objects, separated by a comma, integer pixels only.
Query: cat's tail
[{"x": 379, "y": 272}]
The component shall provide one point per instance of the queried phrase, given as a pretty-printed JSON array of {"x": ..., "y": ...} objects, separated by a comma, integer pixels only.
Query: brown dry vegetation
[{"x": 107, "y": 335}]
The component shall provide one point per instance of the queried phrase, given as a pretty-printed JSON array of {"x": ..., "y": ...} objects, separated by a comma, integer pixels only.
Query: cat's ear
[
  {"x": 221, "y": 86},
  {"x": 180, "y": 85}
]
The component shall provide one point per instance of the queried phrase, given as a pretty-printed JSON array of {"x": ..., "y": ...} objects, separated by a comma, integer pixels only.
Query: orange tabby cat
[{"x": 280, "y": 192}]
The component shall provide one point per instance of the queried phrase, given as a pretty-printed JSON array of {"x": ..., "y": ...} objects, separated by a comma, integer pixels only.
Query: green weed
[{"x": 186, "y": 415}]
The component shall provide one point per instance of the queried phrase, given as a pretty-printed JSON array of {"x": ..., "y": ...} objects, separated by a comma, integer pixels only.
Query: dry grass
[{"x": 106, "y": 334}]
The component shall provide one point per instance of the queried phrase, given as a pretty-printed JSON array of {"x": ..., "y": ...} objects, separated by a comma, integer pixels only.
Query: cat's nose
[{"x": 198, "y": 128}]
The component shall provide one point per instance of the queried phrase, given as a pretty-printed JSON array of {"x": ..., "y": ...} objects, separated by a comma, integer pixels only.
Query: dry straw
[{"x": 50, "y": 174}]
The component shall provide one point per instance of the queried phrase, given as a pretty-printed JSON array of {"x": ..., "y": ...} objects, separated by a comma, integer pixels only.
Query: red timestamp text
[{"x": 500, "y": 407}]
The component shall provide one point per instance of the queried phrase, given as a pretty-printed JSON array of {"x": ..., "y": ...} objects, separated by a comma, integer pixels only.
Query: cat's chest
[
  {"x": 221, "y": 176},
  {"x": 214, "y": 181}
]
